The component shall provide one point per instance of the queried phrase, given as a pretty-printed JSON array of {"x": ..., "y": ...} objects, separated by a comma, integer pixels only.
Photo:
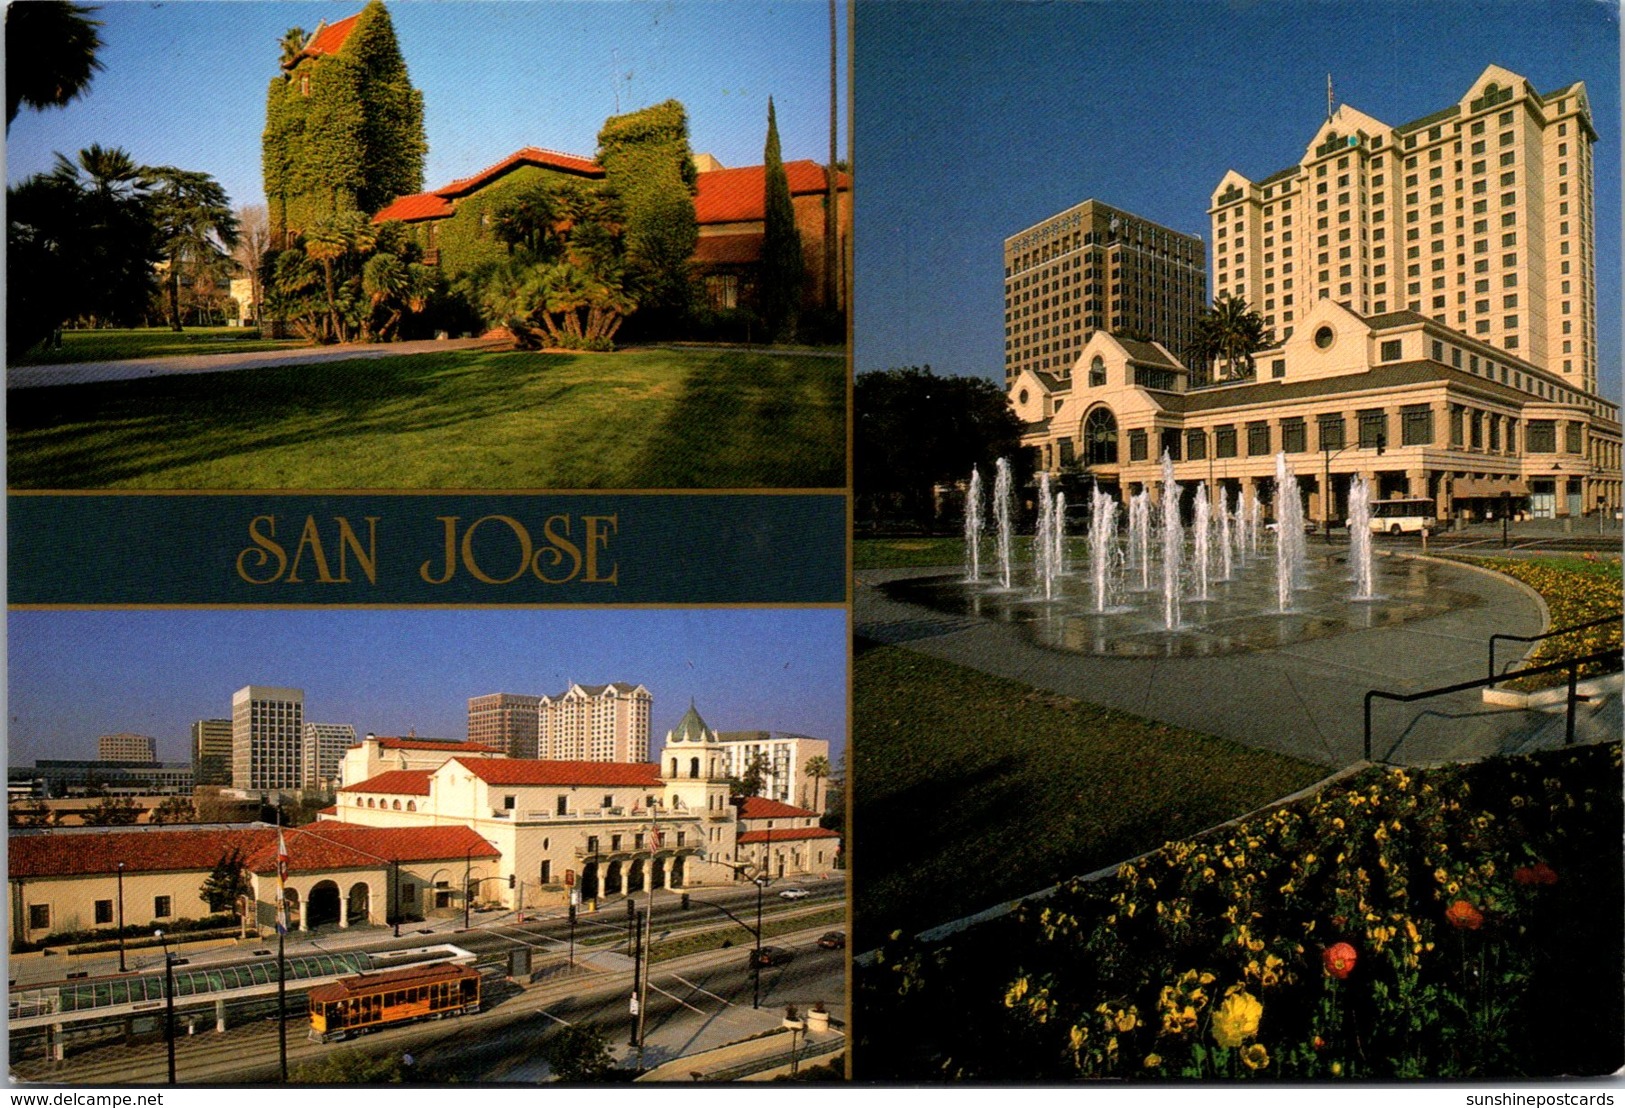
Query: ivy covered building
[{"x": 343, "y": 124}]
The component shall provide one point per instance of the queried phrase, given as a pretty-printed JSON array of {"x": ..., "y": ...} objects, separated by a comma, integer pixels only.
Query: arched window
[
  {"x": 693, "y": 767},
  {"x": 1100, "y": 438},
  {"x": 397, "y": 805},
  {"x": 1097, "y": 372},
  {"x": 411, "y": 805}
]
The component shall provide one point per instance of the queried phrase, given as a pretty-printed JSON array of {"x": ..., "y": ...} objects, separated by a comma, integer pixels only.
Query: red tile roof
[
  {"x": 422, "y": 205},
  {"x": 787, "y": 834},
  {"x": 327, "y": 40},
  {"x": 760, "y": 807},
  {"x": 331, "y": 845},
  {"x": 405, "y": 782},
  {"x": 525, "y": 771},
  {"x": 740, "y": 195},
  {"x": 140, "y": 851},
  {"x": 437, "y": 203},
  {"x": 326, "y": 845},
  {"x": 729, "y": 249},
  {"x": 430, "y": 744}
]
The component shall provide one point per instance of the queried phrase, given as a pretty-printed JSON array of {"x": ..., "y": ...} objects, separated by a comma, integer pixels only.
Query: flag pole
[{"x": 281, "y": 946}]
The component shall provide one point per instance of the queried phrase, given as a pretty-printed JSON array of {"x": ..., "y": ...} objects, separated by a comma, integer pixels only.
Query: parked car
[
  {"x": 833, "y": 940},
  {"x": 794, "y": 894},
  {"x": 769, "y": 956}
]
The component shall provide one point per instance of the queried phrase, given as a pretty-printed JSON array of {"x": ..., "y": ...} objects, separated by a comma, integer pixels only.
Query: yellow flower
[
  {"x": 1127, "y": 1021},
  {"x": 1152, "y": 1061},
  {"x": 1255, "y": 1057},
  {"x": 1017, "y": 991},
  {"x": 1337, "y": 1069},
  {"x": 1236, "y": 1020}
]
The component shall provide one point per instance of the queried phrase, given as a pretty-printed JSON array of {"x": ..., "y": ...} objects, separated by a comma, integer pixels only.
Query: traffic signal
[
  {"x": 631, "y": 909},
  {"x": 572, "y": 913},
  {"x": 685, "y": 902},
  {"x": 512, "y": 877}
]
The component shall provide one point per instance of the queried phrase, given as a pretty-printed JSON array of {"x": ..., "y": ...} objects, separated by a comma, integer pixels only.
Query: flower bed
[
  {"x": 1576, "y": 590},
  {"x": 1460, "y": 922}
]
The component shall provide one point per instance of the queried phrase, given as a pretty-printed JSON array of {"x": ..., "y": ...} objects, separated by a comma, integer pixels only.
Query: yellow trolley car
[{"x": 356, "y": 1005}]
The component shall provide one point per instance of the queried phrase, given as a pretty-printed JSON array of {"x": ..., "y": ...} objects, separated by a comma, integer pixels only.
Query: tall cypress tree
[
  {"x": 343, "y": 130},
  {"x": 782, "y": 267},
  {"x": 648, "y": 162}
]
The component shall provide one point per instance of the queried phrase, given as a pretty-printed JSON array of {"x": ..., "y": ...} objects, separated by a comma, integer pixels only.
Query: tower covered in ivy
[{"x": 343, "y": 124}]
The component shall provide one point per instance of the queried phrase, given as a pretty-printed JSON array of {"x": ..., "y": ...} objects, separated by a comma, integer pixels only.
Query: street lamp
[
  {"x": 169, "y": 1002},
  {"x": 121, "y": 967}
]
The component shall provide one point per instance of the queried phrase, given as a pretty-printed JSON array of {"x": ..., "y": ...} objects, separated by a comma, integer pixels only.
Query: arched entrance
[
  {"x": 657, "y": 873},
  {"x": 612, "y": 878},
  {"x": 322, "y": 906},
  {"x": 634, "y": 877},
  {"x": 1099, "y": 445},
  {"x": 359, "y": 908},
  {"x": 589, "y": 881},
  {"x": 678, "y": 865}
]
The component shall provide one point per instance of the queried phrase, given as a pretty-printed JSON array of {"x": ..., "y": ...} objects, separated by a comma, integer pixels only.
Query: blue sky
[
  {"x": 184, "y": 83},
  {"x": 976, "y": 120},
  {"x": 76, "y": 675}
]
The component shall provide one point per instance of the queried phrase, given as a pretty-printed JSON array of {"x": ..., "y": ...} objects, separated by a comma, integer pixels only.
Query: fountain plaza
[{"x": 1224, "y": 624}]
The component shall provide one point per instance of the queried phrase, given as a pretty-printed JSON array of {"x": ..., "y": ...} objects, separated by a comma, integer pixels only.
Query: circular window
[
  {"x": 1323, "y": 338},
  {"x": 1022, "y": 397}
]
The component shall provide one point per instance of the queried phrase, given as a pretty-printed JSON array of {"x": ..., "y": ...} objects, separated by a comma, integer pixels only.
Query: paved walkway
[
  {"x": 80, "y": 373},
  {"x": 1305, "y": 700}
]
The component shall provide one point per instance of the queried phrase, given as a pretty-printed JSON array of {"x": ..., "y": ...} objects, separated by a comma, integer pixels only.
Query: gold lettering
[
  {"x": 368, "y": 560},
  {"x": 557, "y": 549},
  {"x": 449, "y": 524},
  {"x": 599, "y": 530},
  {"x": 312, "y": 538},
  {"x": 264, "y": 549},
  {"x": 524, "y": 546}
]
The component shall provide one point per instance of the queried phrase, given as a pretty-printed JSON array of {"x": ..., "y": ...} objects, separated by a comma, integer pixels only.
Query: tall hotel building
[
  {"x": 267, "y": 729},
  {"x": 1094, "y": 267},
  {"x": 595, "y": 723},
  {"x": 505, "y": 721},
  {"x": 1431, "y": 290},
  {"x": 1478, "y": 216}
]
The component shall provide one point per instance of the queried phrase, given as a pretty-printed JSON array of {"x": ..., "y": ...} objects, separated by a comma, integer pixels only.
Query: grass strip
[
  {"x": 972, "y": 789},
  {"x": 461, "y": 419}
]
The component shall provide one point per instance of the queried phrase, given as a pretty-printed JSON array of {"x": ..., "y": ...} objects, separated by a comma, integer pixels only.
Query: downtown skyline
[
  {"x": 394, "y": 671},
  {"x": 1145, "y": 107}
]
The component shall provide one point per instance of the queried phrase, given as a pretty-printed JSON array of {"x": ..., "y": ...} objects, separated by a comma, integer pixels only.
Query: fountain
[
  {"x": 973, "y": 527},
  {"x": 1173, "y": 544},
  {"x": 1102, "y": 546},
  {"x": 1139, "y": 537},
  {"x": 1360, "y": 539},
  {"x": 1260, "y": 606},
  {"x": 1001, "y": 512},
  {"x": 1203, "y": 530}
]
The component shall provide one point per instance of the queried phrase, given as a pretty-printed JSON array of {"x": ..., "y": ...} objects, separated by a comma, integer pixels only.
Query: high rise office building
[
  {"x": 321, "y": 752},
  {"x": 125, "y": 747},
  {"x": 267, "y": 733},
  {"x": 211, "y": 752},
  {"x": 506, "y": 721}
]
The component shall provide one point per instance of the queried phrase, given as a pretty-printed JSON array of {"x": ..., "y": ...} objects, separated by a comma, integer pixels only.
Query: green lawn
[
  {"x": 152, "y": 342},
  {"x": 972, "y": 789},
  {"x": 464, "y": 419}
]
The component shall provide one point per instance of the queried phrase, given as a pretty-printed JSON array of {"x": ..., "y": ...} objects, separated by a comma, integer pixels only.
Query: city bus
[
  {"x": 357, "y": 1005},
  {"x": 1399, "y": 517}
]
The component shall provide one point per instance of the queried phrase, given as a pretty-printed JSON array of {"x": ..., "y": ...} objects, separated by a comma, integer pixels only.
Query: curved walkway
[
  {"x": 82, "y": 373},
  {"x": 1305, "y": 700}
]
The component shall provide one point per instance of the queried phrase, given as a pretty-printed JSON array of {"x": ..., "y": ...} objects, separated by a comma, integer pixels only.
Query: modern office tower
[
  {"x": 211, "y": 752},
  {"x": 267, "y": 731},
  {"x": 784, "y": 762},
  {"x": 1478, "y": 216},
  {"x": 321, "y": 752},
  {"x": 506, "y": 721},
  {"x": 595, "y": 723},
  {"x": 1094, "y": 267},
  {"x": 125, "y": 747}
]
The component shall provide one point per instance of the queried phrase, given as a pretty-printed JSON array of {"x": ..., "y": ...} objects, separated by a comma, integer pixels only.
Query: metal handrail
[
  {"x": 1501, "y": 636},
  {"x": 1572, "y": 665}
]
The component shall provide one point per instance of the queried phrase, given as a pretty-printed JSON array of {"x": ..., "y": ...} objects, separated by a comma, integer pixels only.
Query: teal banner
[{"x": 275, "y": 549}]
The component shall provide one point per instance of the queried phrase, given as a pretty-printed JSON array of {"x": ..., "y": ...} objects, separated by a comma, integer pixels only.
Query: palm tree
[
  {"x": 332, "y": 239},
  {"x": 50, "y": 54},
  {"x": 1232, "y": 331},
  {"x": 195, "y": 224},
  {"x": 817, "y": 768},
  {"x": 113, "y": 231},
  {"x": 292, "y": 43}
]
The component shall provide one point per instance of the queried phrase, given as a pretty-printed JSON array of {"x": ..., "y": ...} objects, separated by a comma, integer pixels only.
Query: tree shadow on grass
[{"x": 747, "y": 420}]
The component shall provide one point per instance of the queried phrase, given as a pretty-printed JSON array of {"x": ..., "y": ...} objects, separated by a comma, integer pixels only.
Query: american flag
[{"x": 281, "y": 884}]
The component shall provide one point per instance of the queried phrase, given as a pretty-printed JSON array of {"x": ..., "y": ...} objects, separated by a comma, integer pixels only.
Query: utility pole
[
  {"x": 637, "y": 969},
  {"x": 169, "y": 1003},
  {"x": 121, "y": 967}
]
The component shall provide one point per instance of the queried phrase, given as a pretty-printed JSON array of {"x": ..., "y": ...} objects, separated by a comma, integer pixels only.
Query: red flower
[
  {"x": 1463, "y": 915},
  {"x": 1339, "y": 960},
  {"x": 1538, "y": 874}
]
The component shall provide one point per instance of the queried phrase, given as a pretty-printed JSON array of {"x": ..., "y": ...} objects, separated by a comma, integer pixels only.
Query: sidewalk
[{"x": 81, "y": 373}]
